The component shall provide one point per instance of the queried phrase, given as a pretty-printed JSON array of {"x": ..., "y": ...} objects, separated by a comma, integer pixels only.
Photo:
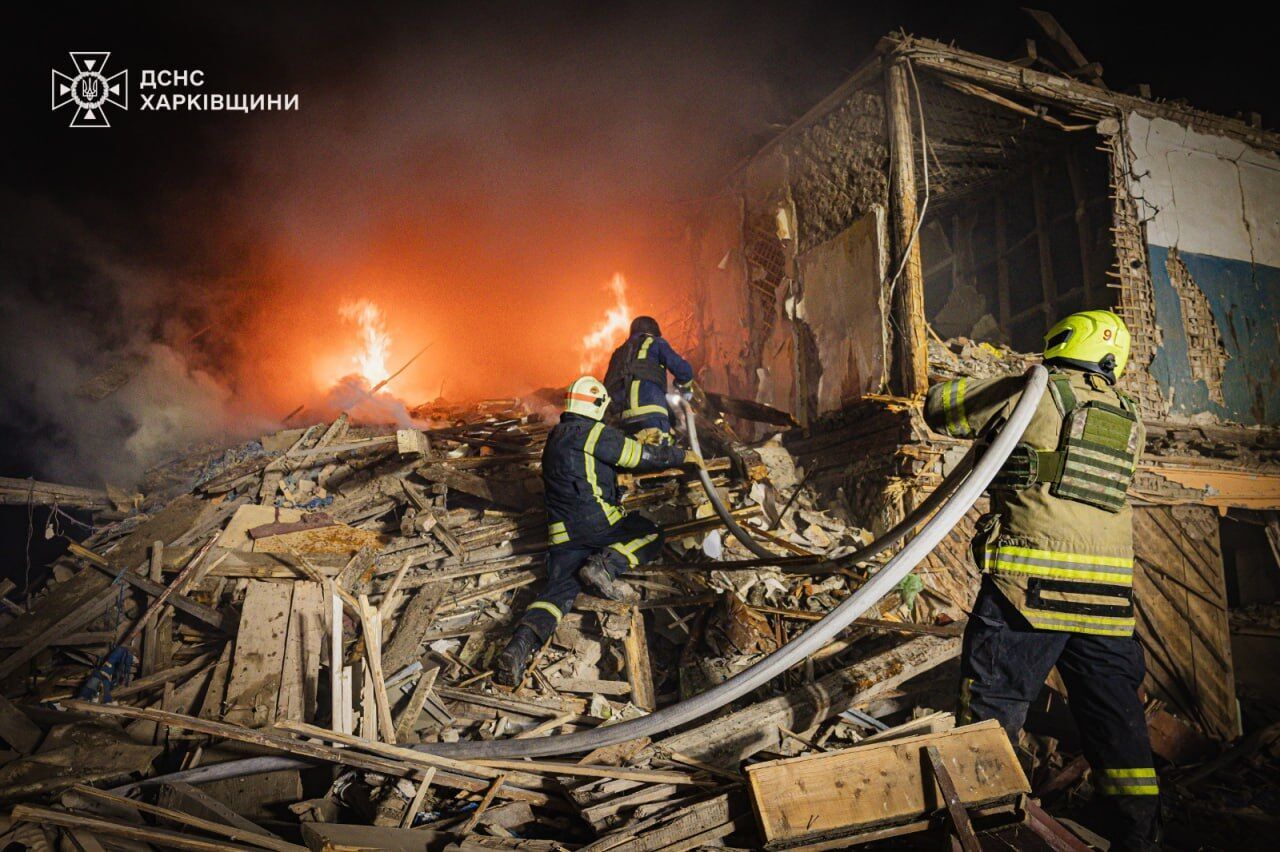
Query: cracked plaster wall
[{"x": 1211, "y": 210}]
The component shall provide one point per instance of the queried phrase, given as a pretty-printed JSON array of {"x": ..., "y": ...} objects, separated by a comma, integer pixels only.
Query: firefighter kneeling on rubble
[
  {"x": 591, "y": 539},
  {"x": 1056, "y": 553}
]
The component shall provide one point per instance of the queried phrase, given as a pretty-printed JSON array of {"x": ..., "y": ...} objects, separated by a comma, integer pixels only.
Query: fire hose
[
  {"x": 964, "y": 485},
  {"x": 725, "y": 515}
]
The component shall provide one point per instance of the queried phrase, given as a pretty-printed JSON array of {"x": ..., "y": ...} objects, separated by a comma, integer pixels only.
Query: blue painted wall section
[{"x": 1245, "y": 300}]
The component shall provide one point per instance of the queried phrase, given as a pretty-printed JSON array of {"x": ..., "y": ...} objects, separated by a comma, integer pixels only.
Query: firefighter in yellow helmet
[
  {"x": 591, "y": 538},
  {"x": 1056, "y": 553}
]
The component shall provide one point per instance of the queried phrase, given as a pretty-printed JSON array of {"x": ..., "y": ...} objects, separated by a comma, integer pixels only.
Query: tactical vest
[
  {"x": 632, "y": 363},
  {"x": 1046, "y": 545},
  {"x": 1096, "y": 457}
]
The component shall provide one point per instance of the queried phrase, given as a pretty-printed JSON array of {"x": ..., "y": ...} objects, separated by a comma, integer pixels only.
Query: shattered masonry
[{"x": 1205, "y": 349}]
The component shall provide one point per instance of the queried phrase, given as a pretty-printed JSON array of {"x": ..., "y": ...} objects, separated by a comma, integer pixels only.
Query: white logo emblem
[{"x": 91, "y": 90}]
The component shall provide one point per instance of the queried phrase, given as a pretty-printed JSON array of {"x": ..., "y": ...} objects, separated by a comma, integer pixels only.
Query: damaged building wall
[
  {"x": 838, "y": 181},
  {"x": 842, "y": 307},
  {"x": 839, "y": 167},
  {"x": 720, "y": 306},
  {"x": 1211, "y": 206},
  {"x": 808, "y": 261},
  {"x": 769, "y": 246}
]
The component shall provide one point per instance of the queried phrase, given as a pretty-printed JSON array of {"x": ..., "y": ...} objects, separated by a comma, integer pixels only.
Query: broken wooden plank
[
  {"x": 256, "y": 669},
  {"x": 593, "y": 687},
  {"x": 216, "y": 691},
  {"x": 388, "y": 606},
  {"x": 639, "y": 671},
  {"x": 194, "y": 798},
  {"x": 265, "y": 841},
  {"x": 160, "y": 837},
  {"x": 154, "y": 590},
  {"x": 874, "y": 785},
  {"x": 951, "y": 798},
  {"x": 333, "y": 613},
  {"x": 343, "y": 837},
  {"x": 415, "y": 804},
  {"x": 31, "y": 492},
  {"x": 299, "y": 679},
  {"x": 417, "y": 700},
  {"x": 371, "y": 624},
  {"x": 726, "y": 741},
  {"x": 686, "y": 828},
  {"x": 171, "y": 675},
  {"x": 405, "y": 643},
  {"x": 517, "y": 705},
  {"x": 151, "y": 632},
  {"x": 552, "y": 767},
  {"x": 394, "y": 752},
  {"x": 494, "y": 787},
  {"x": 414, "y": 763}
]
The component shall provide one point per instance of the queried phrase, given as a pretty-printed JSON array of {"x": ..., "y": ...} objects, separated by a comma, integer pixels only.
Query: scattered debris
[{"x": 338, "y": 592}]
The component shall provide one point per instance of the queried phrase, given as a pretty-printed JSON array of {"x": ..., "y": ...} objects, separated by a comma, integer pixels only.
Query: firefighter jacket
[
  {"x": 1058, "y": 541},
  {"x": 580, "y": 466},
  {"x": 637, "y": 377}
]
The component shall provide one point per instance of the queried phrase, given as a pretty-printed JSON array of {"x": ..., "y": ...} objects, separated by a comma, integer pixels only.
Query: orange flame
[
  {"x": 600, "y": 341},
  {"x": 375, "y": 342}
]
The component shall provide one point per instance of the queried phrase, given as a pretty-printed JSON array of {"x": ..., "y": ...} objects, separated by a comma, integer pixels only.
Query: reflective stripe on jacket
[{"x": 579, "y": 475}]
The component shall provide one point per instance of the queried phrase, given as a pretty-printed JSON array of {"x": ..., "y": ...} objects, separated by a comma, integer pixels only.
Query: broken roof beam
[
  {"x": 927, "y": 54},
  {"x": 1074, "y": 61}
]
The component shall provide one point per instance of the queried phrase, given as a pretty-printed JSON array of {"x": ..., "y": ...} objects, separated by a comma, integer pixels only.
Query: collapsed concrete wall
[{"x": 1211, "y": 207}]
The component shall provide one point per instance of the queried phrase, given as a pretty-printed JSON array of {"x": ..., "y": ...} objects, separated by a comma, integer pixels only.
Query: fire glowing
[
  {"x": 375, "y": 341},
  {"x": 603, "y": 337}
]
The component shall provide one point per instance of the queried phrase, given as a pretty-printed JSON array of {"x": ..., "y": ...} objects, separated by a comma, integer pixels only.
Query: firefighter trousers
[
  {"x": 630, "y": 542},
  {"x": 1004, "y": 663}
]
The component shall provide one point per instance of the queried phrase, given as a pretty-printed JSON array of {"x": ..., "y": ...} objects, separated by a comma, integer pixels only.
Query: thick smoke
[
  {"x": 98, "y": 382},
  {"x": 480, "y": 180}
]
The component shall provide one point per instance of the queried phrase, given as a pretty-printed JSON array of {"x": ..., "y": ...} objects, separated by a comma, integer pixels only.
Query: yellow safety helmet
[
  {"x": 1097, "y": 341},
  {"x": 587, "y": 397}
]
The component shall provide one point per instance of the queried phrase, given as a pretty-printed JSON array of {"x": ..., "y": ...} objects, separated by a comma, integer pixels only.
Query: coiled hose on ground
[{"x": 964, "y": 486}]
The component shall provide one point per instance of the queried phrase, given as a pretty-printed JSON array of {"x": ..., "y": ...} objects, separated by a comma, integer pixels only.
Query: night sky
[{"x": 569, "y": 135}]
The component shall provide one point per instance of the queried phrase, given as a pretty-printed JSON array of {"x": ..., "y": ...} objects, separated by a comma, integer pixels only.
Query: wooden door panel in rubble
[{"x": 1182, "y": 614}]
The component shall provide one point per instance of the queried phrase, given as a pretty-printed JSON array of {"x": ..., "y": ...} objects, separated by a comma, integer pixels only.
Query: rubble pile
[{"x": 338, "y": 593}]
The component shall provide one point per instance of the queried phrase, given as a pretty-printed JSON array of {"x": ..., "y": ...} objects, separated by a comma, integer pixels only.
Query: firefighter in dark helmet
[
  {"x": 591, "y": 539},
  {"x": 1056, "y": 552},
  {"x": 637, "y": 379}
]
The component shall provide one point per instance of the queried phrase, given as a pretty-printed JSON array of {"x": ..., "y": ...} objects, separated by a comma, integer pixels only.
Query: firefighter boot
[
  {"x": 597, "y": 574},
  {"x": 512, "y": 660}
]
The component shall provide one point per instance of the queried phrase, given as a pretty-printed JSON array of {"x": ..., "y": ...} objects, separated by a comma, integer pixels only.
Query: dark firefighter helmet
[{"x": 645, "y": 325}]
